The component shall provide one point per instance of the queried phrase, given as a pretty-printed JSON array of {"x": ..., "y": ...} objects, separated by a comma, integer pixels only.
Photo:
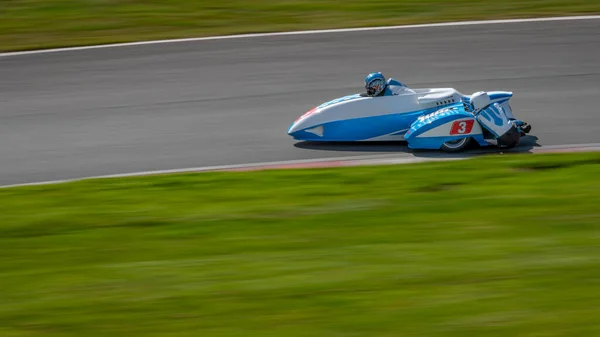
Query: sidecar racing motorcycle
[{"x": 433, "y": 118}]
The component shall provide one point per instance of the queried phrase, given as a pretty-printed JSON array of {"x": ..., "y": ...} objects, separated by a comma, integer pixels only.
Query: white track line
[
  {"x": 304, "y": 32},
  {"x": 353, "y": 160}
]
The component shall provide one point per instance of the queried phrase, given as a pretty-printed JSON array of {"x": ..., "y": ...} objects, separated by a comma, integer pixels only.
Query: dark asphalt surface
[{"x": 118, "y": 110}]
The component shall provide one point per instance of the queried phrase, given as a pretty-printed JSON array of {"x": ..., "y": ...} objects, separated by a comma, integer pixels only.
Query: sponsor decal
[
  {"x": 441, "y": 113},
  {"x": 306, "y": 114}
]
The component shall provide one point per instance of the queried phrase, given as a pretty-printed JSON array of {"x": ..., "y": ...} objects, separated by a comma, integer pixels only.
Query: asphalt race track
[{"x": 153, "y": 107}]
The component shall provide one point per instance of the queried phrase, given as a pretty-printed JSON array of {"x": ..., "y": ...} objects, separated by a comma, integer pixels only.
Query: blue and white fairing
[
  {"x": 425, "y": 118},
  {"x": 431, "y": 131},
  {"x": 362, "y": 118}
]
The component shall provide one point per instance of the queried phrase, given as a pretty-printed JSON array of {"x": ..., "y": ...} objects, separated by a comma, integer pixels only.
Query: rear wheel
[
  {"x": 457, "y": 145},
  {"x": 510, "y": 139}
]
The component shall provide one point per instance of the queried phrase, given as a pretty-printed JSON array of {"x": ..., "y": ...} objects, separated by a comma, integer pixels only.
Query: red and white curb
[
  {"x": 391, "y": 160},
  {"x": 383, "y": 159},
  {"x": 336, "y": 162}
]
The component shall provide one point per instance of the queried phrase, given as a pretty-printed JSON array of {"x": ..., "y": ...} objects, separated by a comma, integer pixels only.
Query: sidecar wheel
[{"x": 456, "y": 145}]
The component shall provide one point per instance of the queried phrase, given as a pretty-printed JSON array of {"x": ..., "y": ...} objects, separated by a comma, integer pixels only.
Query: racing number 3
[{"x": 461, "y": 127}]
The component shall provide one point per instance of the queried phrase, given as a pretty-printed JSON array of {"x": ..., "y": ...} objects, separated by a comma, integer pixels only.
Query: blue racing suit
[{"x": 395, "y": 87}]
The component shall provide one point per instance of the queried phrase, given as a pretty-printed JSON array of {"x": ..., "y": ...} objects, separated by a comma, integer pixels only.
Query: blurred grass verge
[
  {"x": 497, "y": 246},
  {"x": 32, "y": 24}
]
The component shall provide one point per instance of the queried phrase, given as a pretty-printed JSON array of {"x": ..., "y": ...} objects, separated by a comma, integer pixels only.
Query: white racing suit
[{"x": 498, "y": 122}]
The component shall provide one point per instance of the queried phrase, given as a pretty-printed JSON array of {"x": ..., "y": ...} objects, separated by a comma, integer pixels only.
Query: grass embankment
[
  {"x": 504, "y": 246},
  {"x": 30, "y": 24}
]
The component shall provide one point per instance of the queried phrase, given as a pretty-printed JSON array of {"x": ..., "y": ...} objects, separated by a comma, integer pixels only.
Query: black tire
[
  {"x": 510, "y": 140},
  {"x": 457, "y": 145}
]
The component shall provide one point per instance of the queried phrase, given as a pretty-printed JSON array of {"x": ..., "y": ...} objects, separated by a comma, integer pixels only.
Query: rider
[
  {"x": 376, "y": 85},
  {"x": 481, "y": 101},
  {"x": 493, "y": 117}
]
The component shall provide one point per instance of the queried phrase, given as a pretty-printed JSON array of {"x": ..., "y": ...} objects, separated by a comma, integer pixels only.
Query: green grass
[
  {"x": 500, "y": 246},
  {"x": 27, "y": 24}
]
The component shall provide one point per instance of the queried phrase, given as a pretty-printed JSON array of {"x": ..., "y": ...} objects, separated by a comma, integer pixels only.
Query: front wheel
[{"x": 456, "y": 145}]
